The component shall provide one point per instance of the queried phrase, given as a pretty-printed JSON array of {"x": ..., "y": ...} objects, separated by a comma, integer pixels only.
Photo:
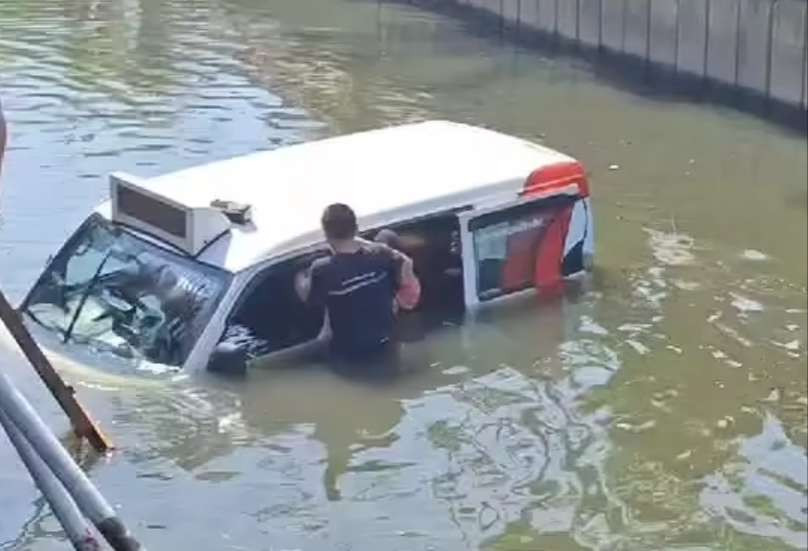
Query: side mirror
[{"x": 229, "y": 359}]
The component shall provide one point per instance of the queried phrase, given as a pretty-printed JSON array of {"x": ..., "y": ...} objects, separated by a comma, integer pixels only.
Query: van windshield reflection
[{"x": 114, "y": 292}]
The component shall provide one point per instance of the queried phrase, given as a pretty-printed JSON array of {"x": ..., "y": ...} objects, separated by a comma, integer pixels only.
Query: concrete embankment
[{"x": 757, "y": 47}]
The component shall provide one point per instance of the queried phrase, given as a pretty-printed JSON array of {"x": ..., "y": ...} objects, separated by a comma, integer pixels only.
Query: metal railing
[{"x": 757, "y": 45}]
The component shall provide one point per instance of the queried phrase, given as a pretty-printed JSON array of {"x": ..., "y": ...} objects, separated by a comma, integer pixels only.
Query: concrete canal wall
[{"x": 760, "y": 46}]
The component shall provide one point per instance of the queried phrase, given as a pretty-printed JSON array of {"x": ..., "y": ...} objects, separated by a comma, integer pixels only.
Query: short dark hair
[{"x": 339, "y": 222}]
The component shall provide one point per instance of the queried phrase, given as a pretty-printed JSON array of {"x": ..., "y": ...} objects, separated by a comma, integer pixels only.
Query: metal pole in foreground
[
  {"x": 75, "y": 525},
  {"x": 63, "y": 393},
  {"x": 51, "y": 451}
]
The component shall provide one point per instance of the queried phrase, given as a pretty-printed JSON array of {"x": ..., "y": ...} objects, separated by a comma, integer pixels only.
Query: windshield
[{"x": 117, "y": 293}]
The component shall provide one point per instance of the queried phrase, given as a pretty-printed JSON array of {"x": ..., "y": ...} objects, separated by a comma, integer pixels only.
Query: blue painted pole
[{"x": 89, "y": 500}]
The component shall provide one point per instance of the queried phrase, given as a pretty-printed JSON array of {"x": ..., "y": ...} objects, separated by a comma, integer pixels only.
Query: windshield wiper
[{"x": 85, "y": 295}]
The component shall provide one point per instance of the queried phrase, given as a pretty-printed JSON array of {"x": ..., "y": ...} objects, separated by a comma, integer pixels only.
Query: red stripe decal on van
[
  {"x": 556, "y": 176},
  {"x": 551, "y": 250}
]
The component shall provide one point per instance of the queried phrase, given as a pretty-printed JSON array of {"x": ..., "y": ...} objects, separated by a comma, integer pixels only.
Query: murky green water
[{"x": 663, "y": 406}]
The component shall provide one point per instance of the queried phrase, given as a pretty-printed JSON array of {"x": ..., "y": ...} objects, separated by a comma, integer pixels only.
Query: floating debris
[
  {"x": 588, "y": 325},
  {"x": 744, "y": 304},
  {"x": 774, "y": 396},
  {"x": 614, "y": 167},
  {"x": 634, "y": 327},
  {"x": 714, "y": 317},
  {"x": 686, "y": 285},
  {"x": 671, "y": 248},
  {"x": 628, "y": 427},
  {"x": 733, "y": 334},
  {"x": 456, "y": 370},
  {"x": 638, "y": 347},
  {"x": 791, "y": 345},
  {"x": 684, "y": 455},
  {"x": 752, "y": 254},
  {"x": 725, "y": 423}
]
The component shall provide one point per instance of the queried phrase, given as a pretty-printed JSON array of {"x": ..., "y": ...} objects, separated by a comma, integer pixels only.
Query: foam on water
[{"x": 671, "y": 248}]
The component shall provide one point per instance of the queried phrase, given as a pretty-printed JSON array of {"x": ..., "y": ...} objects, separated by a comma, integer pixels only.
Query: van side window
[
  {"x": 519, "y": 248},
  {"x": 269, "y": 316}
]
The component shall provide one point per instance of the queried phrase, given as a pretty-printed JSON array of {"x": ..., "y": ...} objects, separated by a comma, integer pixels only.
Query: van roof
[{"x": 387, "y": 176}]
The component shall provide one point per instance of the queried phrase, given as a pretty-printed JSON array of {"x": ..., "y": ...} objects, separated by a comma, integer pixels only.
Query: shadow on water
[{"x": 625, "y": 72}]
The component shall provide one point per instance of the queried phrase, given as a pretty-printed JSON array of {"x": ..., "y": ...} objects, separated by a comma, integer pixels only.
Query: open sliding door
[{"x": 531, "y": 243}]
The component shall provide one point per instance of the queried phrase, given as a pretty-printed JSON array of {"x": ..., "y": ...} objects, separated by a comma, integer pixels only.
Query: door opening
[{"x": 434, "y": 245}]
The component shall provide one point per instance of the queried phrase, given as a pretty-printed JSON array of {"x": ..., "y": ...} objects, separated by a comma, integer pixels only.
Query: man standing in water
[{"x": 357, "y": 285}]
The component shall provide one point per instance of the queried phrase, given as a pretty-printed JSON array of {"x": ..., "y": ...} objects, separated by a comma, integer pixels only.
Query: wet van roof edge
[{"x": 386, "y": 175}]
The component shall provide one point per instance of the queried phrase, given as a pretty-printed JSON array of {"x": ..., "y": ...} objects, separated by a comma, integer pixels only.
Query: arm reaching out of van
[
  {"x": 303, "y": 284},
  {"x": 308, "y": 284},
  {"x": 409, "y": 289}
]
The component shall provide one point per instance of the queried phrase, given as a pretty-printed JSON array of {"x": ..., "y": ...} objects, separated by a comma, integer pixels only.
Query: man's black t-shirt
[{"x": 358, "y": 290}]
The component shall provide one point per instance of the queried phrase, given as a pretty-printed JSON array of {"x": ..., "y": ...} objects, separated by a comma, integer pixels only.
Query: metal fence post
[
  {"x": 770, "y": 48},
  {"x": 624, "y": 16},
  {"x": 677, "y": 38},
  {"x": 707, "y": 16}
]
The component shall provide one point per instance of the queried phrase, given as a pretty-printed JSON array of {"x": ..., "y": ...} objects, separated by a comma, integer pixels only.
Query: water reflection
[{"x": 660, "y": 404}]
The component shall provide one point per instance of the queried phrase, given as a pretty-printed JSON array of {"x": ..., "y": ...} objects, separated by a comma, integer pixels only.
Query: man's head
[{"x": 339, "y": 222}]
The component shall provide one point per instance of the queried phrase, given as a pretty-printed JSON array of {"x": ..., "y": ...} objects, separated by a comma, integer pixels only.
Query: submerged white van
[{"x": 172, "y": 266}]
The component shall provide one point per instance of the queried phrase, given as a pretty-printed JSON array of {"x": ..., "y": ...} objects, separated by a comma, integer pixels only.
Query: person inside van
[
  {"x": 409, "y": 292},
  {"x": 357, "y": 284}
]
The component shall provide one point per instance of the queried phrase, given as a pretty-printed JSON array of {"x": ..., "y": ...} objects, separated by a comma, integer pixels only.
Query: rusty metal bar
[{"x": 64, "y": 394}]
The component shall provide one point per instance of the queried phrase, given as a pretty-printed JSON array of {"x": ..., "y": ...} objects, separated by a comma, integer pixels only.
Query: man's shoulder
[
  {"x": 379, "y": 249},
  {"x": 321, "y": 263}
]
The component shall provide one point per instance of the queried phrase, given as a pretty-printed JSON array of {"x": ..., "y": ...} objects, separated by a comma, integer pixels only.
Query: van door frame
[
  {"x": 242, "y": 280},
  {"x": 470, "y": 264},
  {"x": 242, "y": 285}
]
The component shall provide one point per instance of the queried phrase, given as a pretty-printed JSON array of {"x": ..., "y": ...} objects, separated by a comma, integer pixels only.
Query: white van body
[{"x": 391, "y": 176}]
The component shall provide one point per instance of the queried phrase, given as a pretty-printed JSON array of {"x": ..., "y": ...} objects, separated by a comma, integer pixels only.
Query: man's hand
[{"x": 303, "y": 284}]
